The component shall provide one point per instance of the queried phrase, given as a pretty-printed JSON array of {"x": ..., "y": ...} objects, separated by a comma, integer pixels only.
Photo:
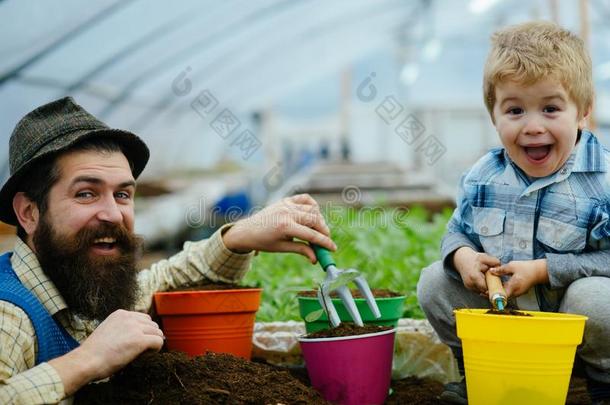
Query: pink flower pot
[{"x": 352, "y": 370}]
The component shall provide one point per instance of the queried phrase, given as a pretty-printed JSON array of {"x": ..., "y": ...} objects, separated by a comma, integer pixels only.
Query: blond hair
[{"x": 533, "y": 51}]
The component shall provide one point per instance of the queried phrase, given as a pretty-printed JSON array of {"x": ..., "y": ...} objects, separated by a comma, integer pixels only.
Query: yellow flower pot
[{"x": 518, "y": 359}]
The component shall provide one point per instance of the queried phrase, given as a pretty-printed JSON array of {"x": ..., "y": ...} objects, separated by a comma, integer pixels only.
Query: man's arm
[
  {"x": 286, "y": 226},
  {"x": 289, "y": 225},
  {"x": 20, "y": 381},
  {"x": 116, "y": 342},
  {"x": 206, "y": 259}
]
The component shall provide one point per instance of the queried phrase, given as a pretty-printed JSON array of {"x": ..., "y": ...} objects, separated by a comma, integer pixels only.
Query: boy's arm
[
  {"x": 557, "y": 269},
  {"x": 457, "y": 235},
  {"x": 451, "y": 242},
  {"x": 564, "y": 268}
]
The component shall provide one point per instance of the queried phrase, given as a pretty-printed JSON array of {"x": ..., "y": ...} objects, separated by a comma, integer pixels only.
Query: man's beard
[{"x": 92, "y": 286}]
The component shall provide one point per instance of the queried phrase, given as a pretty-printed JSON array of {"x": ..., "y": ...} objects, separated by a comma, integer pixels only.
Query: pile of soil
[
  {"x": 347, "y": 329},
  {"x": 215, "y": 378},
  {"x": 377, "y": 293},
  {"x": 173, "y": 378}
]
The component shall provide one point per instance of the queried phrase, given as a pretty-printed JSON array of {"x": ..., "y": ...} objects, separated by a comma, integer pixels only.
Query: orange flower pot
[{"x": 213, "y": 320}]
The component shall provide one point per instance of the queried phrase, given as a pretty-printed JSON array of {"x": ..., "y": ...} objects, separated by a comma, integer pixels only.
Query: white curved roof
[{"x": 120, "y": 59}]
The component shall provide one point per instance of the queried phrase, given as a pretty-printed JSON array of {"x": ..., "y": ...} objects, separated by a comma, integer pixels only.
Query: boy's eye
[
  {"x": 515, "y": 110},
  {"x": 550, "y": 109}
]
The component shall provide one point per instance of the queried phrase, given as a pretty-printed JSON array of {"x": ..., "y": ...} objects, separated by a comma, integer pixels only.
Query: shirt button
[
  {"x": 563, "y": 171},
  {"x": 484, "y": 230},
  {"x": 522, "y": 244}
]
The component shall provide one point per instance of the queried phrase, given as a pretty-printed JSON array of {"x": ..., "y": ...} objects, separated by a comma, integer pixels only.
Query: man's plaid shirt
[{"x": 23, "y": 382}]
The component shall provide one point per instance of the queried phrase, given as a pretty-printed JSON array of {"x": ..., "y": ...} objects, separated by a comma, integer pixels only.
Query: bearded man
[{"x": 72, "y": 305}]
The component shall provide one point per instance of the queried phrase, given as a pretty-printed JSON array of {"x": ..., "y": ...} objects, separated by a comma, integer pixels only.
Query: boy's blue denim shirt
[{"x": 563, "y": 217}]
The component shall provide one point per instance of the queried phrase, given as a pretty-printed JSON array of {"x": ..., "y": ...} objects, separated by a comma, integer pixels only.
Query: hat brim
[{"x": 133, "y": 147}]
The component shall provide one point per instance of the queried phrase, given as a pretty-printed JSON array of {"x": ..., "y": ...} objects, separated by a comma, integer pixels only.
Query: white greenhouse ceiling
[{"x": 121, "y": 59}]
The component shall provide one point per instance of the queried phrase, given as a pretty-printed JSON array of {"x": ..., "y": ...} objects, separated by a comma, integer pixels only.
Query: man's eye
[
  {"x": 84, "y": 194},
  {"x": 515, "y": 110},
  {"x": 123, "y": 195},
  {"x": 550, "y": 109}
]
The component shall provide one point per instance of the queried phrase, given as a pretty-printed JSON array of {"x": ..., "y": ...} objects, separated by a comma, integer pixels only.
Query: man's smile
[{"x": 105, "y": 246}]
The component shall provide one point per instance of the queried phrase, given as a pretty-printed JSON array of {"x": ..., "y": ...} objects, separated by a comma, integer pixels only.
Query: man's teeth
[{"x": 104, "y": 240}]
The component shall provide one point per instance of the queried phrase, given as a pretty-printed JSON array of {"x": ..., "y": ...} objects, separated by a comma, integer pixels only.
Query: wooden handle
[{"x": 494, "y": 286}]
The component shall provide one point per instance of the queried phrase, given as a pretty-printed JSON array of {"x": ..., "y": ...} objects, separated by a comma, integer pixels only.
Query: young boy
[{"x": 536, "y": 211}]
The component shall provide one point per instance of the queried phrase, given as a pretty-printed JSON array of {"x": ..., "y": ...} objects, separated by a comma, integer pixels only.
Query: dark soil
[
  {"x": 174, "y": 378},
  {"x": 377, "y": 293},
  {"x": 347, "y": 329},
  {"x": 507, "y": 311},
  {"x": 215, "y": 286},
  {"x": 413, "y": 390}
]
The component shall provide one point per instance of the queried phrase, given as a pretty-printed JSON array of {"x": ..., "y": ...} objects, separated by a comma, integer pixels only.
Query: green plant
[{"x": 389, "y": 248}]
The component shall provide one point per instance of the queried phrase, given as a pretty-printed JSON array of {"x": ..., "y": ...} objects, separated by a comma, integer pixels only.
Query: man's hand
[
  {"x": 274, "y": 229},
  {"x": 524, "y": 275},
  {"x": 472, "y": 267},
  {"x": 118, "y": 340}
]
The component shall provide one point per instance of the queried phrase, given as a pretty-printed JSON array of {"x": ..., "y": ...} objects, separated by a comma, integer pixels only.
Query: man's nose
[
  {"x": 109, "y": 211},
  {"x": 534, "y": 125}
]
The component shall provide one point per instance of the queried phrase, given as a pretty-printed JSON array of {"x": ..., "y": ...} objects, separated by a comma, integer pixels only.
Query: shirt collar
[
  {"x": 589, "y": 154},
  {"x": 27, "y": 267}
]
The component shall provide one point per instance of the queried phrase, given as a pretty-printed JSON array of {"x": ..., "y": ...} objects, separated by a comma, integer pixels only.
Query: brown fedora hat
[{"x": 54, "y": 128}]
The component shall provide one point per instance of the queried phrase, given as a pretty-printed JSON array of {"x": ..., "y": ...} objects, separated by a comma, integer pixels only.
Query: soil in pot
[
  {"x": 347, "y": 329},
  {"x": 507, "y": 311},
  {"x": 174, "y": 378},
  {"x": 377, "y": 293},
  {"x": 211, "y": 286}
]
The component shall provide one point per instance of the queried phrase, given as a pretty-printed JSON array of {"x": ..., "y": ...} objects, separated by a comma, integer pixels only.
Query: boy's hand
[
  {"x": 472, "y": 267},
  {"x": 524, "y": 275}
]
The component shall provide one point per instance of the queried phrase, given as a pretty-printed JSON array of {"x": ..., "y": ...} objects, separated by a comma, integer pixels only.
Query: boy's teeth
[{"x": 538, "y": 152}]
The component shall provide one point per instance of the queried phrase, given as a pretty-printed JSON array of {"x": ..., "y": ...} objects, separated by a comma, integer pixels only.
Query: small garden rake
[{"x": 337, "y": 280}]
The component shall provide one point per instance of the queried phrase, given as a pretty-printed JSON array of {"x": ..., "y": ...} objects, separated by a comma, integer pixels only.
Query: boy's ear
[
  {"x": 27, "y": 212},
  {"x": 584, "y": 120}
]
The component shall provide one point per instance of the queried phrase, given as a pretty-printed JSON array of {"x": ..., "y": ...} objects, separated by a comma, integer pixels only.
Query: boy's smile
[{"x": 538, "y": 125}]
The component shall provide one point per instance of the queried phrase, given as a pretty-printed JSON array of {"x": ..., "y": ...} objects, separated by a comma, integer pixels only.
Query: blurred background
[{"x": 362, "y": 103}]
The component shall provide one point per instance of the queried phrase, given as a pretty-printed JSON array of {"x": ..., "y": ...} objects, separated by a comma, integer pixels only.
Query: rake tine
[
  {"x": 366, "y": 292},
  {"x": 327, "y": 303},
  {"x": 350, "y": 305}
]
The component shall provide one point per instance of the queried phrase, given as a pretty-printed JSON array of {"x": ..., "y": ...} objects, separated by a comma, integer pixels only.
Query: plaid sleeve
[
  {"x": 458, "y": 228},
  {"x": 20, "y": 381},
  {"x": 207, "y": 259},
  {"x": 38, "y": 385}
]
